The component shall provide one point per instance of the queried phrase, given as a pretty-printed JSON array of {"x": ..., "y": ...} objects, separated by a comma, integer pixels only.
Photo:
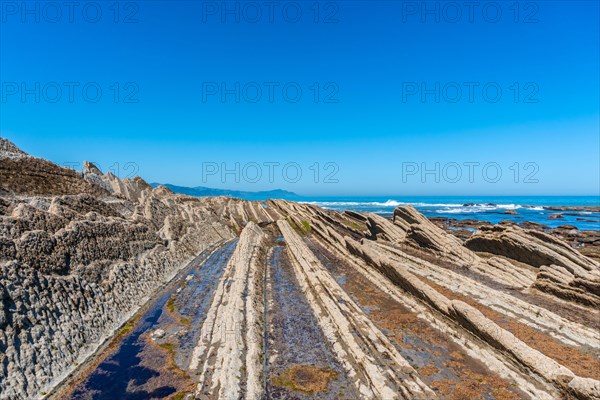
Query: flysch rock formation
[
  {"x": 226, "y": 361},
  {"x": 563, "y": 271},
  {"x": 79, "y": 254},
  {"x": 382, "y": 373},
  {"x": 508, "y": 314},
  {"x": 418, "y": 257}
]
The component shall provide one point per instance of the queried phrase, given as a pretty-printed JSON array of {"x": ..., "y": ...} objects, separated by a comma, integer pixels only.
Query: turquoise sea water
[{"x": 486, "y": 208}]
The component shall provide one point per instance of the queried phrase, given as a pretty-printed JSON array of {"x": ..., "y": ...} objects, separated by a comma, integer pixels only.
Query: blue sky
[{"x": 379, "y": 85}]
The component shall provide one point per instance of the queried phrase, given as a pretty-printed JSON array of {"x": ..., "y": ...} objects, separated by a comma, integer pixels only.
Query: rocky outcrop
[
  {"x": 9, "y": 150},
  {"x": 22, "y": 174},
  {"x": 543, "y": 319},
  {"x": 398, "y": 274},
  {"x": 423, "y": 300},
  {"x": 382, "y": 228},
  {"x": 370, "y": 359},
  {"x": 356, "y": 215},
  {"x": 34, "y": 176},
  {"x": 78, "y": 259},
  {"x": 228, "y": 356},
  {"x": 127, "y": 189},
  {"x": 531, "y": 247},
  {"x": 563, "y": 271},
  {"x": 546, "y": 367},
  {"x": 473, "y": 320},
  {"x": 425, "y": 234},
  {"x": 573, "y": 208},
  {"x": 507, "y": 272}
]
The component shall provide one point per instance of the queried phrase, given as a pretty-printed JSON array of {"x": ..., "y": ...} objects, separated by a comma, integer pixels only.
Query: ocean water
[{"x": 485, "y": 208}]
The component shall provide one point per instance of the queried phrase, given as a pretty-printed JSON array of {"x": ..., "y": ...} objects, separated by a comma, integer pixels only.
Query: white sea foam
[
  {"x": 461, "y": 210},
  {"x": 439, "y": 208},
  {"x": 388, "y": 203},
  {"x": 482, "y": 210},
  {"x": 508, "y": 206}
]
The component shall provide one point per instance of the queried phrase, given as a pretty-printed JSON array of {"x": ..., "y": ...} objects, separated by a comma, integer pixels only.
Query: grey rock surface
[{"x": 78, "y": 257}]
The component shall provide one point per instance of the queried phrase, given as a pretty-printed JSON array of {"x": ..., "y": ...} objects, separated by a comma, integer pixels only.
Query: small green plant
[
  {"x": 306, "y": 226},
  {"x": 125, "y": 329},
  {"x": 301, "y": 229},
  {"x": 305, "y": 378},
  {"x": 352, "y": 224},
  {"x": 169, "y": 347},
  {"x": 171, "y": 305}
]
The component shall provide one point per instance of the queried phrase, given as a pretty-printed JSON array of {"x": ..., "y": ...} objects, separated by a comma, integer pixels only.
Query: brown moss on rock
[{"x": 306, "y": 378}]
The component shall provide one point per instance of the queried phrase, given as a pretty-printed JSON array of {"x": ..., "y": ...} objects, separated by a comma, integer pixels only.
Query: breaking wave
[{"x": 442, "y": 206}]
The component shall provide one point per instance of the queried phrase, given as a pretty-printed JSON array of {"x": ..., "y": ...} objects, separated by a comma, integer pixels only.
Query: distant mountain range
[{"x": 200, "y": 191}]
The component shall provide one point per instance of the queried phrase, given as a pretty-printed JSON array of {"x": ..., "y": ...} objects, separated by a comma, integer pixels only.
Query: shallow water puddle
[
  {"x": 192, "y": 301},
  {"x": 151, "y": 359},
  {"x": 300, "y": 363}
]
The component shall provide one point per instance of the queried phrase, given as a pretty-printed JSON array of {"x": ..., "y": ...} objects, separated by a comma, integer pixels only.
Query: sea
[{"x": 484, "y": 208}]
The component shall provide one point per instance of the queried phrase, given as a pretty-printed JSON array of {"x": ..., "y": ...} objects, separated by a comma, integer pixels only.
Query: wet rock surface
[
  {"x": 152, "y": 356},
  {"x": 437, "y": 260},
  {"x": 295, "y": 338}
]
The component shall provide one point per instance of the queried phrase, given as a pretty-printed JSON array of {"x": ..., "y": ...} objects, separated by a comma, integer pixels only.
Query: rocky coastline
[{"x": 406, "y": 307}]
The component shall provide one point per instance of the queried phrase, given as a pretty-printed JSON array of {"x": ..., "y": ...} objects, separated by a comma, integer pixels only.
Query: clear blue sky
[{"x": 371, "y": 57}]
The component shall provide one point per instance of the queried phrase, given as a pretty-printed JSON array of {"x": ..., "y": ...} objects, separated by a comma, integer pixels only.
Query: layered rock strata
[
  {"x": 228, "y": 357},
  {"x": 375, "y": 365},
  {"x": 77, "y": 259},
  {"x": 562, "y": 270},
  {"x": 402, "y": 268}
]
